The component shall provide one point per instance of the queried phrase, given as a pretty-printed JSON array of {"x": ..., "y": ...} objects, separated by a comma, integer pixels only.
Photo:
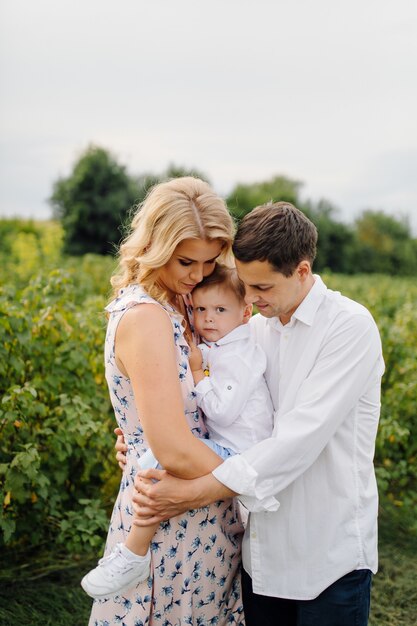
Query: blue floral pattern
[{"x": 195, "y": 565}]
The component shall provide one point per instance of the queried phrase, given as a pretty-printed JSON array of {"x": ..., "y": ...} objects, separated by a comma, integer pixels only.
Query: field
[{"x": 56, "y": 449}]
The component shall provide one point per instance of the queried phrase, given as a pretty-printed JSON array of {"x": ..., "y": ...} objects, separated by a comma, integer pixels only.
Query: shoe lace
[{"x": 114, "y": 563}]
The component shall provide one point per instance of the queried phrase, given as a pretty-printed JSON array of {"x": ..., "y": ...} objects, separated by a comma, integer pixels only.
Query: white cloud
[{"x": 323, "y": 92}]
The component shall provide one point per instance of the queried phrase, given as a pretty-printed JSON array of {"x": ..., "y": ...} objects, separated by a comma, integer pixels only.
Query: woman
[{"x": 177, "y": 236}]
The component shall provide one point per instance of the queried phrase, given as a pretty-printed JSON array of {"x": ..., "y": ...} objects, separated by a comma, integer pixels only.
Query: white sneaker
[{"x": 114, "y": 574}]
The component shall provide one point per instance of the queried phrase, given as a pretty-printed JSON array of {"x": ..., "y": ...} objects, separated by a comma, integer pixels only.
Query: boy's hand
[{"x": 195, "y": 358}]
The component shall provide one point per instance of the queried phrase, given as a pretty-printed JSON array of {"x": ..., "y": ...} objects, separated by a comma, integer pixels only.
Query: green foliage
[
  {"x": 54, "y": 601},
  {"x": 384, "y": 244},
  {"x": 95, "y": 205},
  {"x": 57, "y": 471},
  {"x": 376, "y": 243},
  {"x": 392, "y": 301},
  {"x": 394, "y": 596},
  {"x": 27, "y": 246},
  {"x": 83, "y": 527},
  {"x": 334, "y": 249},
  {"x": 244, "y": 198},
  {"x": 93, "y": 202},
  {"x": 55, "y": 418}
]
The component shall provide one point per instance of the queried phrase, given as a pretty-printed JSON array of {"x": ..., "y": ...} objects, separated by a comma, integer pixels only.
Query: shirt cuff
[
  {"x": 237, "y": 474},
  {"x": 203, "y": 387}
]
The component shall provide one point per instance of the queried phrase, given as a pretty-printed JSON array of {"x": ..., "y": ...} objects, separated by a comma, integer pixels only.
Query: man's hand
[
  {"x": 170, "y": 496},
  {"x": 121, "y": 448},
  {"x": 154, "y": 502}
]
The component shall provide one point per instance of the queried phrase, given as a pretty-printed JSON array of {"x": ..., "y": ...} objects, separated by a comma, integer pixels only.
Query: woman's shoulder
[
  {"x": 152, "y": 315},
  {"x": 128, "y": 296},
  {"x": 148, "y": 321}
]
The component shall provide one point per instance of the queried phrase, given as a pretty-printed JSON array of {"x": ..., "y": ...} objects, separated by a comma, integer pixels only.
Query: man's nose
[{"x": 250, "y": 296}]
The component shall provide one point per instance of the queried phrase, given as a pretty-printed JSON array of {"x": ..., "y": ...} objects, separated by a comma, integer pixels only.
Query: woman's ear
[{"x": 247, "y": 313}]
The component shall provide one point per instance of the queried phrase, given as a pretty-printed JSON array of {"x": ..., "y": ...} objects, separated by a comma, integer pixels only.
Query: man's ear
[
  {"x": 247, "y": 313},
  {"x": 303, "y": 270}
]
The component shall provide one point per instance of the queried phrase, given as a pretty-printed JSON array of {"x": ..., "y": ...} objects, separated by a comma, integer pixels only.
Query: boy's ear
[{"x": 247, "y": 313}]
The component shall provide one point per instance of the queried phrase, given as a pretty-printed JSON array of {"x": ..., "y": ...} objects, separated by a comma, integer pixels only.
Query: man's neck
[{"x": 308, "y": 285}]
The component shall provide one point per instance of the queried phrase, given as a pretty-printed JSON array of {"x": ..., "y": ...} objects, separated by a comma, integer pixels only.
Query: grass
[
  {"x": 58, "y": 600},
  {"x": 394, "y": 593}
]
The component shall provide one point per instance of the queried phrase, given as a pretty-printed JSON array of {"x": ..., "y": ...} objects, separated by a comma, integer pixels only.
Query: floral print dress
[{"x": 195, "y": 561}]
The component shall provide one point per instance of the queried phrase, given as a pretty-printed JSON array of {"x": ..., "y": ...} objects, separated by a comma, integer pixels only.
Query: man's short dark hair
[
  {"x": 224, "y": 277},
  {"x": 276, "y": 232}
]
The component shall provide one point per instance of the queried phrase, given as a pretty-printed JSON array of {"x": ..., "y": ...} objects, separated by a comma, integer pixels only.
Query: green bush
[
  {"x": 27, "y": 247},
  {"x": 55, "y": 416},
  {"x": 57, "y": 468},
  {"x": 392, "y": 301}
]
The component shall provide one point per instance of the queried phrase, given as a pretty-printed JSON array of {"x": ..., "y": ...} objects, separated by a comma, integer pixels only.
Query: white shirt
[
  {"x": 234, "y": 397},
  {"x": 311, "y": 486}
]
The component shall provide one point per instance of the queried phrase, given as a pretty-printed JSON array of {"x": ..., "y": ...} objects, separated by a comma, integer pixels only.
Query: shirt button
[{"x": 229, "y": 387}]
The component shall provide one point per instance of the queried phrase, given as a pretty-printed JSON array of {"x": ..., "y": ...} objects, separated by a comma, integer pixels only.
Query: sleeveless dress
[{"x": 195, "y": 558}]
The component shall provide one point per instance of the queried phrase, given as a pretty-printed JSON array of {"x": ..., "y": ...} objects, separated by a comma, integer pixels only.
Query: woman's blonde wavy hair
[{"x": 181, "y": 208}]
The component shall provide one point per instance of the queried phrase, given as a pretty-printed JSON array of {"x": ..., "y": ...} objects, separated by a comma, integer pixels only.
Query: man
[{"x": 310, "y": 546}]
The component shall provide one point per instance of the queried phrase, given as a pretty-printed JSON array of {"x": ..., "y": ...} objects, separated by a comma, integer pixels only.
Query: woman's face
[{"x": 192, "y": 260}]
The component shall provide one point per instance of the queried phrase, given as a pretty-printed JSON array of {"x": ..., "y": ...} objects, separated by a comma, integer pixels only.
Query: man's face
[{"x": 271, "y": 292}]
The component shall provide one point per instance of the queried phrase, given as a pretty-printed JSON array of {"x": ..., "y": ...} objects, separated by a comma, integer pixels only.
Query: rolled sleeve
[
  {"x": 203, "y": 387},
  {"x": 237, "y": 474}
]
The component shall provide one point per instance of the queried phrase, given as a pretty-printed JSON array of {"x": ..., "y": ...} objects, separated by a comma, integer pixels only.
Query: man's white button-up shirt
[
  {"x": 235, "y": 397},
  {"x": 311, "y": 487}
]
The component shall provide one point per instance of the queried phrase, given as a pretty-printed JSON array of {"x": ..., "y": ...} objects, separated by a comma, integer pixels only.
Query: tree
[
  {"x": 244, "y": 198},
  {"x": 335, "y": 239},
  {"x": 384, "y": 244},
  {"x": 93, "y": 202}
]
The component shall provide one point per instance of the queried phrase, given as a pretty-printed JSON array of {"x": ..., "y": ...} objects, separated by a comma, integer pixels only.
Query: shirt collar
[
  {"x": 307, "y": 309},
  {"x": 240, "y": 332}
]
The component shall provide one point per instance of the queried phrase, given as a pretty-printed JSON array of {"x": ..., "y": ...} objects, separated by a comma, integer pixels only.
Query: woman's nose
[{"x": 196, "y": 274}]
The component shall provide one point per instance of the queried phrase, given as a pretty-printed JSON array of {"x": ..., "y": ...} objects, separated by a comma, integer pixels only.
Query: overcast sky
[{"x": 322, "y": 91}]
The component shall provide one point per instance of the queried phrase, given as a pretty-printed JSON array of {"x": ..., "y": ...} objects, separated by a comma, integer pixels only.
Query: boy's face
[{"x": 218, "y": 311}]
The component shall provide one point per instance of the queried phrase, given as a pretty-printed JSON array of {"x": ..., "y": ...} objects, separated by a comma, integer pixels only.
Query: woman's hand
[{"x": 121, "y": 448}]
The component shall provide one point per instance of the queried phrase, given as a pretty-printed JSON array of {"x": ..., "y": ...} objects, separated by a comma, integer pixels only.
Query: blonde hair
[{"x": 181, "y": 208}]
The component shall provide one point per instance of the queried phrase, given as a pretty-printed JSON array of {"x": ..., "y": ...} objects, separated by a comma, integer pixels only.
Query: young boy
[{"x": 228, "y": 371}]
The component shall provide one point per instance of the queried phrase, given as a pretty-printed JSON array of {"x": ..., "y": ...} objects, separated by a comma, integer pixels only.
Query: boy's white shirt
[
  {"x": 234, "y": 397},
  {"x": 311, "y": 486}
]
